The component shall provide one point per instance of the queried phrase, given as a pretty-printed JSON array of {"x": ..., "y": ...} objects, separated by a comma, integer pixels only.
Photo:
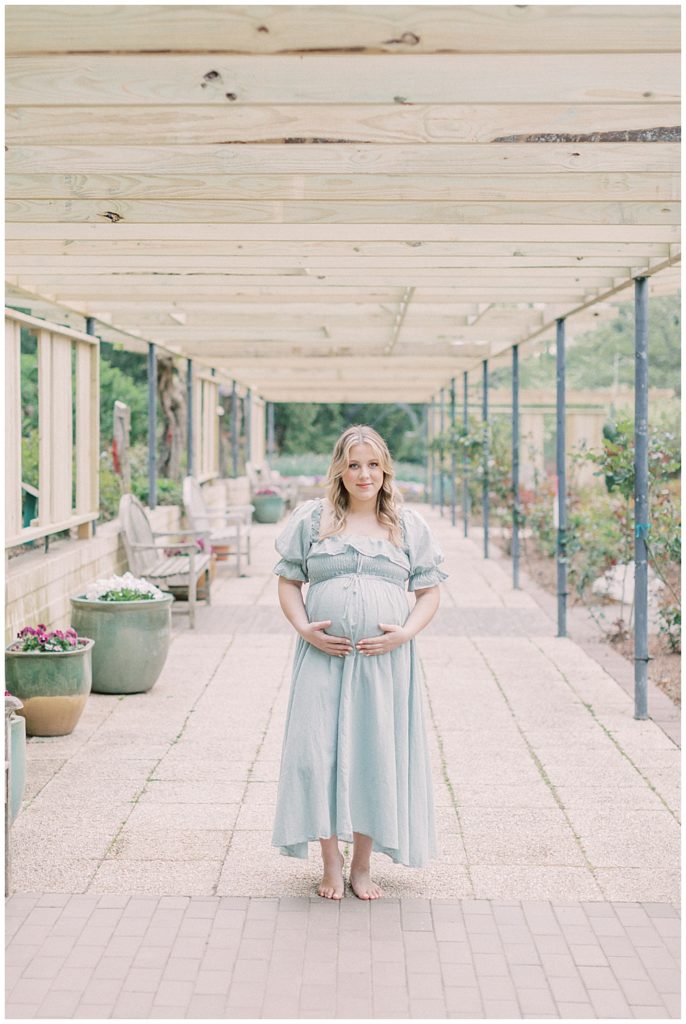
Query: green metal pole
[
  {"x": 441, "y": 487},
  {"x": 485, "y": 490},
  {"x": 152, "y": 425},
  {"x": 189, "y": 418},
  {"x": 465, "y": 461},
  {"x": 515, "y": 466},
  {"x": 453, "y": 457},
  {"x": 560, "y": 356},
  {"x": 641, "y": 507}
]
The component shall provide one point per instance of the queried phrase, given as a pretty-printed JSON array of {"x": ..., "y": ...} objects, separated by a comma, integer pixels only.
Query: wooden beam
[
  {"x": 514, "y": 233},
  {"x": 483, "y": 293},
  {"x": 215, "y": 79},
  {"x": 574, "y": 186},
  {"x": 340, "y": 28},
  {"x": 168, "y": 211},
  {"x": 482, "y": 159},
  {"x": 298, "y": 125},
  {"x": 305, "y": 253},
  {"x": 417, "y": 267},
  {"x": 277, "y": 277}
]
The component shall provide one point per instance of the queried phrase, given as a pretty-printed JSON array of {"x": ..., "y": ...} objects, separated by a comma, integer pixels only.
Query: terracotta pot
[{"x": 221, "y": 552}]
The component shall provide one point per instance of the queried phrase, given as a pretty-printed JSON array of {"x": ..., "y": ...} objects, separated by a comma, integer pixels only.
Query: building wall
[{"x": 38, "y": 585}]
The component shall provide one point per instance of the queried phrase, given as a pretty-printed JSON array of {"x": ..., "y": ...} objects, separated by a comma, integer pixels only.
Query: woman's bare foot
[
  {"x": 362, "y": 885},
  {"x": 332, "y": 886}
]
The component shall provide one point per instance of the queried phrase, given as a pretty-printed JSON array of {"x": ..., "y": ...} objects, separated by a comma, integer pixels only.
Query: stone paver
[
  {"x": 298, "y": 957},
  {"x": 145, "y": 884}
]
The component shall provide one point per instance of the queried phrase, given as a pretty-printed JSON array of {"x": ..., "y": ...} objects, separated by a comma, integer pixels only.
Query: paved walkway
[{"x": 145, "y": 885}]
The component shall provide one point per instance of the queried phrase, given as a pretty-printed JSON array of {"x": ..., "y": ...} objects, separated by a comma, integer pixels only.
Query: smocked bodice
[{"x": 308, "y": 559}]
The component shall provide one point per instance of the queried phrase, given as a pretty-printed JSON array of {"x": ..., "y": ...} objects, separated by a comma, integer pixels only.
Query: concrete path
[{"x": 149, "y": 827}]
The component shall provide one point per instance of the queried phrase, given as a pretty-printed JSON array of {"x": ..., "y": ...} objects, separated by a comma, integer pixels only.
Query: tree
[
  {"x": 115, "y": 385},
  {"x": 307, "y": 427},
  {"x": 173, "y": 404},
  {"x": 605, "y": 357}
]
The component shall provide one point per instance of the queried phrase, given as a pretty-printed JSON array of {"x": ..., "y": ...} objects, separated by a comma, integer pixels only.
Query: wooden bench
[{"x": 148, "y": 557}]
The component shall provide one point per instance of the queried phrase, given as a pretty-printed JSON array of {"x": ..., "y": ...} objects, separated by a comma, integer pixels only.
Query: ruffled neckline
[{"x": 372, "y": 547}]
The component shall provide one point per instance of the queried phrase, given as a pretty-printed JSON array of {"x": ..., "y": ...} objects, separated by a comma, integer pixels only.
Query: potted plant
[
  {"x": 16, "y": 746},
  {"x": 130, "y": 621},
  {"x": 50, "y": 673},
  {"x": 269, "y": 505}
]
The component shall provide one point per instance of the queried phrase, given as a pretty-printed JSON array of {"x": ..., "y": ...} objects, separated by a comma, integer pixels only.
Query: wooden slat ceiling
[{"x": 340, "y": 203}]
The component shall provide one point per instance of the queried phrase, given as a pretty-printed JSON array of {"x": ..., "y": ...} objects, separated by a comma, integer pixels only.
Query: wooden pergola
[{"x": 339, "y": 203}]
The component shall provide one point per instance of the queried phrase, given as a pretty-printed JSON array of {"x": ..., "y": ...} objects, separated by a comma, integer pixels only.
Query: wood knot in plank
[
  {"x": 210, "y": 76},
  {"x": 406, "y": 39}
]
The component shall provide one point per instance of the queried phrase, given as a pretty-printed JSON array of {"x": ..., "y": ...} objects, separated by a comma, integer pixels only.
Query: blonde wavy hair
[{"x": 387, "y": 500}]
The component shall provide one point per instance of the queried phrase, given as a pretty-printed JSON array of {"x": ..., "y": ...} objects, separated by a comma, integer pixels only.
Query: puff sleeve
[
  {"x": 425, "y": 554},
  {"x": 293, "y": 543}
]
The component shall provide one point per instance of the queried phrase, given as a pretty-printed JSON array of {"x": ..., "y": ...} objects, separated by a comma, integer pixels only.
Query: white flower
[{"x": 96, "y": 591}]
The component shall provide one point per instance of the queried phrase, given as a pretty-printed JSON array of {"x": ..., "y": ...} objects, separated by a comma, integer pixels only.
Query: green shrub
[
  {"x": 670, "y": 626},
  {"x": 110, "y": 490}
]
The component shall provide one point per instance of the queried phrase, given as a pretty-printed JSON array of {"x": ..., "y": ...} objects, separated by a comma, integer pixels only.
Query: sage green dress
[{"x": 355, "y": 755}]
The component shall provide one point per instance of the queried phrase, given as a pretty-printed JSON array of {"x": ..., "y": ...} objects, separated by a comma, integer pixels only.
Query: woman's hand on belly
[
  {"x": 392, "y": 637},
  {"x": 336, "y": 646}
]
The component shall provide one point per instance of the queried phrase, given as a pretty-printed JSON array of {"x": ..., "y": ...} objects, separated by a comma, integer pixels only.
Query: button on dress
[{"x": 355, "y": 756}]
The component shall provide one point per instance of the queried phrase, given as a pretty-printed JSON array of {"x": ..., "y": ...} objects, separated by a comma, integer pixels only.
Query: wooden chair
[
  {"x": 148, "y": 559},
  {"x": 235, "y": 521},
  {"x": 261, "y": 475}
]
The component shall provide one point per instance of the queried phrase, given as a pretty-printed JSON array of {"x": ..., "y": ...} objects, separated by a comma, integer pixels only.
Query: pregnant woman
[{"x": 355, "y": 765}]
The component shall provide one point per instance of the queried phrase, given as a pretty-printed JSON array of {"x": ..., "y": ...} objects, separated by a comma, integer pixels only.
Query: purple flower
[{"x": 39, "y": 639}]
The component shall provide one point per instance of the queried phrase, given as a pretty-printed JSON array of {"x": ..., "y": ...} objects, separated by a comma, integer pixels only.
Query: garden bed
[{"x": 664, "y": 668}]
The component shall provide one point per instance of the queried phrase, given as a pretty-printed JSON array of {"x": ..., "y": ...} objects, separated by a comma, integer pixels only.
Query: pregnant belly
[{"x": 356, "y": 605}]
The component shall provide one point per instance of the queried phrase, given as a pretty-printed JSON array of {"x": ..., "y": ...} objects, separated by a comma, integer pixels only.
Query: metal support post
[
  {"x": 234, "y": 430},
  {"x": 453, "y": 455},
  {"x": 515, "y": 467},
  {"x": 485, "y": 490},
  {"x": 641, "y": 509},
  {"x": 152, "y": 425},
  {"x": 270, "y": 431},
  {"x": 90, "y": 329},
  {"x": 425, "y": 433},
  {"x": 248, "y": 425},
  {"x": 561, "y": 481},
  {"x": 441, "y": 450},
  {"x": 465, "y": 460},
  {"x": 189, "y": 416},
  {"x": 430, "y": 452}
]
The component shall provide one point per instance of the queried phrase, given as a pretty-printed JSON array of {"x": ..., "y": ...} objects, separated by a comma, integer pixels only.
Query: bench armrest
[
  {"x": 182, "y": 533},
  {"x": 161, "y": 547}
]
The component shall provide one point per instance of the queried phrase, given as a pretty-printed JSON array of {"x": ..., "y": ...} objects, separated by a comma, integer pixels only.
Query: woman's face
[{"x": 364, "y": 475}]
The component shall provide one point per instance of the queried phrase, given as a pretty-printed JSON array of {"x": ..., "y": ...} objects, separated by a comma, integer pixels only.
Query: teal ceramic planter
[
  {"x": 268, "y": 507},
  {"x": 131, "y": 641},
  {"x": 53, "y": 687},
  {"x": 18, "y": 766}
]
